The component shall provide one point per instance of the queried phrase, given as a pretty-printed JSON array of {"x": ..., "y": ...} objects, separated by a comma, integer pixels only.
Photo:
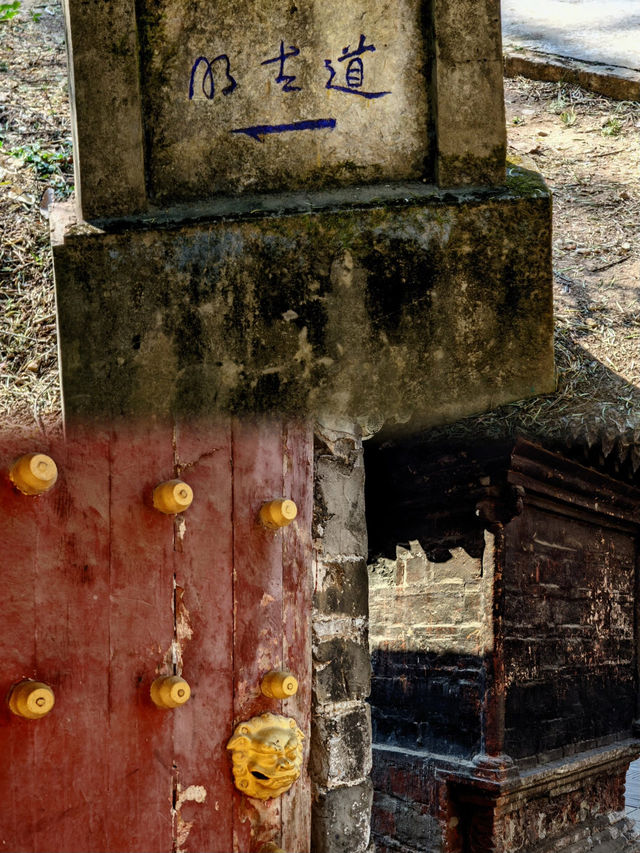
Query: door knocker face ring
[{"x": 267, "y": 755}]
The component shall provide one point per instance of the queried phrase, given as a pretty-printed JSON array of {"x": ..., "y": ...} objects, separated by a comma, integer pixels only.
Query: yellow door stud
[
  {"x": 170, "y": 691},
  {"x": 31, "y": 699},
  {"x": 34, "y": 473},
  {"x": 172, "y": 497},
  {"x": 279, "y": 685},
  {"x": 275, "y": 514}
]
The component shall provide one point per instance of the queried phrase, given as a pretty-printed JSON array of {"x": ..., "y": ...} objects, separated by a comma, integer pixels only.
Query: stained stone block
[
  {"x": 342, "y": 670},
  {"x": 477, "y": 40},
  {"x": 337, "y": 486},
  {"x": 106, "y": 107},
  {"x": 341, "y": 820},
  {"x": 313, "y": 94},
  {"x": 178, "y": 102},
  {"x": 470, "y": 152},
  {"x": 344, "y": 588},
  {"x": 341, "y": 746},
  {"x": 393, "y": 301}
]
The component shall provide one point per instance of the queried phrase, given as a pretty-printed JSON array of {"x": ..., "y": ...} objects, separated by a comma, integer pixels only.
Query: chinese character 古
[
  {"x": 286, "y": 79},
  {"x": 354, "y": 71}
]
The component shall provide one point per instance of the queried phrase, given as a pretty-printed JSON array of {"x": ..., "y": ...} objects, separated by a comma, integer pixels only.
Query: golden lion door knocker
[{"x": 267, "y": 755}]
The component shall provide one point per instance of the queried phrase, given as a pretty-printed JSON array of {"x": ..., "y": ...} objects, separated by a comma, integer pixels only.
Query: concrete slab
[
  {"x": 603, "y": 31},
  {"x": 632, "y": 797},
  {"x": 591, "y": 43}
]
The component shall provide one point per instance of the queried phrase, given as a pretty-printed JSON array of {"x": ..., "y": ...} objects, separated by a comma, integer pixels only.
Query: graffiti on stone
[
  {"x": 265, "y": 95},
  {"x": 353, "y": 72},
  {"x": 208, "y": 79},
  {"x": 350, "y": 80}
]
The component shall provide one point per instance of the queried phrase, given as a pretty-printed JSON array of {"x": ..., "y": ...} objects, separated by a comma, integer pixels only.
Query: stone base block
[
  {"x": 437, "y": 804},
  {"x": 390, "y": 300},
  {"x": 341, "y": 818}
]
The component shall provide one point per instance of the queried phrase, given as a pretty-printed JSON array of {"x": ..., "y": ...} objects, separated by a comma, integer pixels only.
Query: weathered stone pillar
[
  {"x": 301, "y": 210},
  {"x": 269, "y": 225},
  {"x": 468, "y": 95}
]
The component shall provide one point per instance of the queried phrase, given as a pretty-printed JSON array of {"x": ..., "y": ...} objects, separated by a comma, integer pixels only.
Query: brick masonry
[
  {"x": 426, "y": 805},
  {"x": 431, "y": 627},
  {"x": 569, "y": 633},
  {"x": 341, "y": 724}
]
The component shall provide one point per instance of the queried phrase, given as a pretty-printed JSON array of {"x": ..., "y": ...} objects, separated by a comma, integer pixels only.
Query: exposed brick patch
[{"x": 520, "y": 743}]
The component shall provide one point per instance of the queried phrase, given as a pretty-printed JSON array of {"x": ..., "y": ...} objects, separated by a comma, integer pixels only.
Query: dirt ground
[
  {"x": 586, "y": 146},
  {"x": 588, "y": 149}
]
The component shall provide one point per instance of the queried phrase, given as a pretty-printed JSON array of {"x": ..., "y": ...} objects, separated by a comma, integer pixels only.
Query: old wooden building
[{"x": 504, "y": 635}]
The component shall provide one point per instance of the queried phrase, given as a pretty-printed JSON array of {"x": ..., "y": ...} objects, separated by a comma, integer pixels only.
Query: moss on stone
[
  {"x": 525, "y": 182},
  {"x": 472, "y": 169}
]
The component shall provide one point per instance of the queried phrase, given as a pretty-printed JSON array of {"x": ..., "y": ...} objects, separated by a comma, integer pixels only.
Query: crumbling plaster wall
[{"x": 419, "y": 604}]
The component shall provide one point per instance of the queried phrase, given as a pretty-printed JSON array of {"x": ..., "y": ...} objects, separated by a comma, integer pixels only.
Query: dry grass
[
  {"x": 35, "y": 153},
  {"x": 586, "y": 146},
  {"x": 588, "y": 149}
]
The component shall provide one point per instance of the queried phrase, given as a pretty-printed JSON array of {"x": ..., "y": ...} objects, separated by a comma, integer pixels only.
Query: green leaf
[{"x": 9, "y": 10}]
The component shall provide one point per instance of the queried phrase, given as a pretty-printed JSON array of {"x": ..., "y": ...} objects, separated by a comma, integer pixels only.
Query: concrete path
[
  {"x": 603, "y": 31},
  {"x": 632, "y": 800},
  {"x": 591, "y": 43}
]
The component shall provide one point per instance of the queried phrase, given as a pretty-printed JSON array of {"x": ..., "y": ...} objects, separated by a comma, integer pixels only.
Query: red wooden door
[{"x": 103, "y": 593}]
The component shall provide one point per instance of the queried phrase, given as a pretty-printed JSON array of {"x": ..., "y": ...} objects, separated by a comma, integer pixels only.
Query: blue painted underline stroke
[{"x": 259, "y": 131}]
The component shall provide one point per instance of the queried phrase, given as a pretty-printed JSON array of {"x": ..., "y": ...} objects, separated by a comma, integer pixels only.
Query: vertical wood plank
[
  {"x": 72, "y": 649},
  {"x": 257, "y": 477},
  {"x": 204, "y": 614},
  {"x": 296, "y": 618},
  {"x": 20, "y": 519},
  {"x": 90, "y": 571},
  {"x": 141, "y": 640}
]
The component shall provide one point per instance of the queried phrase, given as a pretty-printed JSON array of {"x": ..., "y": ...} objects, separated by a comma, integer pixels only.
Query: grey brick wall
[{"x": 341, "y": 727}]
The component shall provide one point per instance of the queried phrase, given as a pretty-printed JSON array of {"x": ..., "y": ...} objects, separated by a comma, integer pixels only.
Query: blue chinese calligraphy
[
  {"x": 352, "y": 82},
  {"x": 354, "y": 71},
  {"x": 208, "y": 81},
  {"x": 258, "y": 131},
  {"x": 285, "y": 79}
]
